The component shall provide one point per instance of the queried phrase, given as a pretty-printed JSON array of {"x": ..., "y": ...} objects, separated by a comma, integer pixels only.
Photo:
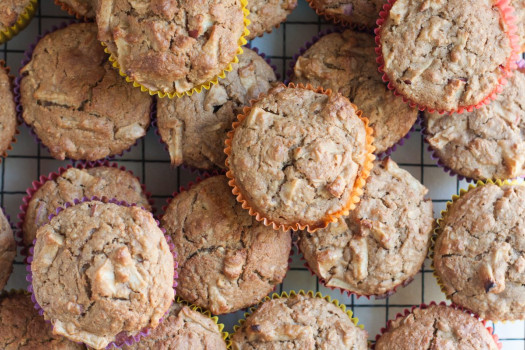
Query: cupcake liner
[
  {"x": 507, "y": 13},
  {"x": 206, "y": 313},
  {"x": 337, "y": 20},
  {"x": 17, "y": 131},
  {"x": 198, "y": 88},
  {"x": 424, "y": 306},
  {"x": 122, "y": 338},
  {"x": 22, "y": 21},
  {"x": 28, "y": 55},
  {"x": 292, "y": 293},
  {"x": 307, "y": 45},
  {"x": 357, "y": 190},
  {"x": 66, "y": 8}
]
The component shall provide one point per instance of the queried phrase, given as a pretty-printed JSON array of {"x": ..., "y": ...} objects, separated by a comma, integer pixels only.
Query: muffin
[
  {"x": 267, "y": 14},
  {"x": 519, "y": 7},
  {"x": 194, "y": 127},
  {"x": 298, "y": 158},
  {"x": 227, "y": 260},
  {"x": 479, "y": 254},
  {"x": 80, "y": 8},
  {"x": 488, "y": 143},
  {"x": 436, "y": 327},
  {"x": 447, "y": 55},
  {"x": 77, "y": 183},
  {"x": 359, "y": 13},
  {"x": 14, "y": 16},
  {"x": 24, "y": 329},
  {"x": 7, "y": 110},
  {"x": 7, "y": 250},
  {"x": 345, "y": 63},
  {"x": 77, "y": 104},
  {"x": 382, "y": 243},
  {"x": 183, "y": 329},
  {"x": 299, "y": 322},
  {"x": 119, "y": 272},
  {"x": 171, "y": 49}
]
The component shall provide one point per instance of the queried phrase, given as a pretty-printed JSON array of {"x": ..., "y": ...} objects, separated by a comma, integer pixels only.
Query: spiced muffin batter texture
[
  {"x": 479, "y": 252},
  {"x": 195, "y": 127},
  {"x": 100, "y": 270},
  {"x": 76, "y": 102},
  {"x": 362, "y": 13},
  {"x": 519, "y": 7},
  {"x": 7, "y": 250},
  {"x": 267, "y": 14},
  {"x": 7, "y": 110},
  {"x": 10, "y": 11},
  {"x": 227, "y": 259},
  {"x": 82, "y": 8}
]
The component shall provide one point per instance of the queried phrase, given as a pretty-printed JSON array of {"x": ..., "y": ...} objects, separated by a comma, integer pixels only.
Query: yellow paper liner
[
  {"x": 444, "y": 213},
  {"x": 198, "y": 88},
  {"x": 357, "y": 190},
  {"x": 66, "y": 8},
  {"x": 21, "y": 22},
  {"x": 206, "y": 313},
  {"x": 13, "y": 140},
  {"x": 292, "y": 293}
]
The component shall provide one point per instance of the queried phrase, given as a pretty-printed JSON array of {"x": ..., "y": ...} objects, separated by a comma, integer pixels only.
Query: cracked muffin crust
[
  {"x": 298, "y": 322},
  {"x": 10, "y": 11},
  {"x": 119, "y": 272},
  {"x": 487, "y": 143},
  {"x": 7, "y": 110},
  {"x": 183, "y": 329},
  {"x": 81, "y": 8},
  {"x": 297, "y": 155},
  {"x": 24, "y": 329},
  {"x": 362, "y": 13},
  {"x": 7, "y": 250},
  {"x": 76, "y": 102},
  {"x": 171, "y": 45},
  {"x": 345, "y": 62},
  {"x": 445, "y": 55},
  {"x": 479, "y": 253},
  {"x": 100, "y": 181},
  {"x": 267, "y": 14},
  {"x": 382, "y": 243},
  {"x": 195, "y": 127},
  {"x": 436, "y": 327},
  {"x": 519, "y": 7},
  {"x": 227, "y": 259}
]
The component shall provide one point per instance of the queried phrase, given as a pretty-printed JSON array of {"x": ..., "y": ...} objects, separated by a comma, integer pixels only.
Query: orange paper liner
[
  {"x": 198, "y": 88},
  {"x": 292, "y": 293},
  {"x": 13, "y": 140},
  {"x": 66, "y": 8},
  {"x": 357, "y": 190},
  {"x": 336, "y": 19},
  {"x": 21, "y": 22},
  {"x": 507, "y": 14}
]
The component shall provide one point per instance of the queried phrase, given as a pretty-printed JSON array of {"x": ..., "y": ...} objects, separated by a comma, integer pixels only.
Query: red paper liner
[
  {"x": 7, "y": 70},
  {"x": 122, "y": 338},
  {"x": 357, "y": 190},
  {"x": 424, "y": 306},
  {"x": 66, "y": 8},
  {"x": 507, "y": 13}
]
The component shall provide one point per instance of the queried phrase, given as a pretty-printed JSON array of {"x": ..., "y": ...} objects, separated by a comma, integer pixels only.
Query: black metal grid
[{"x": 148, "y": 159}]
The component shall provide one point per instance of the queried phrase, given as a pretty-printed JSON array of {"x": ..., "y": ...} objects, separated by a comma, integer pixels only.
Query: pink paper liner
[
  {"x": 307, "y": 45},
  {"x": 37, "y": 184},
  {"x": 424, "y": 306},
  {"x": 507, "y": 13},
  {"x": 28, "y": 55},
  {"x": 122, "y": 338}
]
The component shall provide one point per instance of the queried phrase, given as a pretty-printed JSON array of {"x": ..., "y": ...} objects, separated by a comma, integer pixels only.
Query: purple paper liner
[
  {"x": 27, "y": 56},
  {"x": 307, "y": 45},
  {"x": 122, "y": 338},
  {"x": 155, "y": 124}
]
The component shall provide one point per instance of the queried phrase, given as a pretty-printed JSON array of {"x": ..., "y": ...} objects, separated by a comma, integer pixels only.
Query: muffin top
[
  {"x": 120, "y": 272},
  {"x": 7, "y": 251},
  {"x": 436, "y": 327},
  {"x": 10, "y": 11},
  {"x": 345, "y": 62},
  {"x": 362, "y": 13},
  {"x": 7, "y": 110},
  {"x": 76, "y": 102},
  {"x": 24, "y": 329},
  {"x": 519, "y": 7},
  {"x": 101, "y": 181},
  {"x": 299, "y": 322},
  {"x": 297, "y": 156},
  {"x": 194, "y": 127},
  {"x": 267, "y": 14},
  {"x": 487, "y": 143},
  {"x": 227, "y": 259},
  {"x": 81, "y": 8},
  {"x": 171, "y": 46},
  {"x": 445, "y": 55},
  {"x": 183, "y": 329},
  {"x": 479, "y": 254},
  {"x": 384, "y": 240}
]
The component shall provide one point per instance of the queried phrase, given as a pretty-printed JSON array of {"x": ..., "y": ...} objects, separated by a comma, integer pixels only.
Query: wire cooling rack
[{"x": 150, "y": 162}]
